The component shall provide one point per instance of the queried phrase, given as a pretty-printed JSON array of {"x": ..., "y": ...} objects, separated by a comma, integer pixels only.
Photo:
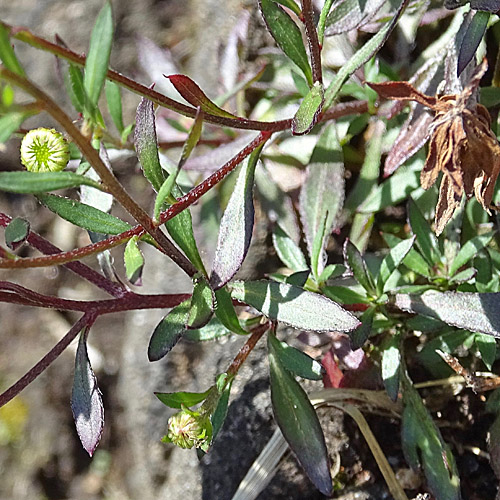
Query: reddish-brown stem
[
  {"x": 107, "y": 177},
  {"x": 312, "y": 40},
  {"x": 247, "y": 348},
  {"x": 85, "y": 321}
]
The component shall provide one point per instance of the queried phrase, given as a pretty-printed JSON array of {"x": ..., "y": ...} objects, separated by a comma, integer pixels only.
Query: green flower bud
[
  {"x": 44, "y": 150},
  {"x": 188, "y": 428}
]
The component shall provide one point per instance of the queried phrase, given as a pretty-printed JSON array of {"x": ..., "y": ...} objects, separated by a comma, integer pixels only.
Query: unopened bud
[
  {"x": 44, "y": 150},
  {"x": 188, "y": 428}
]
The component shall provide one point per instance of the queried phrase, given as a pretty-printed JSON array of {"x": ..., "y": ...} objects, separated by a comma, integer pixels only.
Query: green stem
[{"x": 322, "y": 20}]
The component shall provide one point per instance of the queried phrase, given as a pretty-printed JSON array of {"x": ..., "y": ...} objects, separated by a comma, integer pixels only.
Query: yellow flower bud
[{"x": 44, "y": 150}]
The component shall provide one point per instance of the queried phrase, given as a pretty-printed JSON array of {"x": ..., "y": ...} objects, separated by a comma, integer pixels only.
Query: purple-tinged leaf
[
  {"x": 310, "y": 109},
  {"x": 472, "y": 39},
  {"x": 86, "y": 401},
  {"x": 299, "y": 423},
  {"x": 16, "y": 233},
  {"x": 476, "y": 312},
  {"x": 294, "y": 306},
  {"x": 236, "y": 226},
  {"x": 322, "y": 196},
  {"x": 188, "y": 89},
  {"x": 146, "y": 144},
  {"x": 351, "y": 14},
  {"x": 168, "y": 331}
]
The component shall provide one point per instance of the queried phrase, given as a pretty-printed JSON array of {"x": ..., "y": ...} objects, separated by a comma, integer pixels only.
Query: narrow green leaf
[
  {"x": 365, "y": 53},
  {"x": 360, "y": 335},
  {"x": 164, "y": 193},
  {"x": 487, "y": 347},
  {"x": 83, "y": 215},
  {"x": 202, "y": 304},
  {"x": 295, "y": 361},
  {"x": 225, "y": 312},
  {"x": 344, "y": 295},
  {"x": 192, "y": 138},
  {"x": 96, "y": 64},
  {"x": 287, "y": 35},
  {"x": 357, "y": 264},
  {"x": 413, "y": 259},
  {"x": 9, "y": 123},
  {"x": 476, "y": 312},
  {"x": 168, "y": 331},
  {"x": 220, "y": 413},
  {"x": 213, "y": 330},
  {"x": 288, "y": 251},
  {"x": 114, "y": 100},
  {"x": 178, "y": 399},
  {"x": 294, "y": 306},
  {"x": 426, "y": 239},
  {"x": 350, "y": 14},
  {"x": 391, "y": 365},
  {"x": 469, "y": 251},
  {"x": 423, "y": 445},
  {"x": 310, "y": 108},
  {"x": 73, "y": 80},
  {"x": 291, "y": 5},
  {"x": 332, "y": 271},
  {"x": 299, "y": 423},
  {"x": 236, "y": 226},
  {"x": 472, "y": 38},
  {"x": 134, "y": 261},
  {"x": 392, "y": 261},
  {"x": 146, "y": 143},
  {"x": 320, "y": 206},
  {"x": 16, "y": 232},
  {"x": 40, "y": 182},
  {"x": 7, "y": 55}
]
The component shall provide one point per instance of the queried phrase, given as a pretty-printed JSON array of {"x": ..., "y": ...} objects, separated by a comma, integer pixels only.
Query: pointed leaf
[
  {"x": 392, "y": 261},
  {"x": 114, "y": 100},
  {"x": 97, "y": 61},
  {"x": 360, "y": 335},
  {"x": 220, "y": 413},
  {"x": 291, "y": 5},
  {"x": 487, "y": 346},
  {"x": 86, "y": 401},
  {"x": 310, "y": 109},
  {"x": 413, "y": 259},
  {"x": 192, "y": 138},
  {"x": 351, "y": 14},
  {"x": 134, "y": 261},
  {"x": 299, "y": 423},
  {"x": 202, "y": 304},
  {"x": 188, "y": 89},
  {"x": 294, "y": 306},
  {"x": 225, "y": 312},
  {"x": 288, "y": 251},
  {"x": 236, "y": 226},
  {"x": 357, "y": 264},
  {"x": 168, "y": 331},
  {"x": 319, "y": 204},
  {"x": 16, "y": 232},
  {"x": 469, "y": 250},
  {"x": 344, "y": 295},
  {"x": 7, "y": 55},
  {"x": 213, "y": 330},
  {"x": 73, "y": 79},
  {"x": 295, "y": 361},
  {"x": 83, "y": 215},
  {"x": 40, "y": 182},
  {"x": 146, "y": 144},
  {"x": 472, "y": 39},
  {"x": 476, "y": 312},
  {"x": 287, "y": 35},
  {"x": 426, "y": 240},
  {"x": 391, "y": 363},
  {"x": 178, "y": 399}
]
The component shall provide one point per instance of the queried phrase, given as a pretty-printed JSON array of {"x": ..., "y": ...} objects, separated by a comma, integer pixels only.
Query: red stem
[{"x": 312, "y": 40}]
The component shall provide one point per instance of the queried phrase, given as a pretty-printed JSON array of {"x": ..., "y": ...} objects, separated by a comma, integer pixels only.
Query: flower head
[
  {"x": 44, "y": 150},
  {"x": 462, "y": 146},
  {"x": 189, "y": 428}
]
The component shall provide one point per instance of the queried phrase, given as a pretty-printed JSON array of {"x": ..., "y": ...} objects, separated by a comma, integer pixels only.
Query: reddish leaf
[
  {"x": 333, "y": 374},
  {"x": 402, "y": 91}
]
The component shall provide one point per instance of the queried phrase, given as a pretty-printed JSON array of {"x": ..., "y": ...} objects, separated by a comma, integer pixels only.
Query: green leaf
[
  {"x": 391, "y": 364},
  {"x": 332, "y": 271},
  {"x": 225, "y": 312},
  {"x": 220, "y": 413},
  {"x": 179, "y": 399},
  {"x": 288, "y": 251},
  {"x": 320, "y": 206},
  {"x": 83, "y": 215},
  {"x": 40, "y": 182},
  {"x": 213, "y": 330},
  {"x": 350, "y": 14},
  {"x": 7, "y": 55},
  {"x": 476, "y": 312},
  {"x": 146, "y": 144},
  {"x": 310, "y": 108},
  {"x": 295, "y": 361},
  {"x": 344, "y": 295},
  {"x": 287, "y": 35},
  {"x": 423, "y": 445},
  {"x": 192, "y": 138},
  {"x": 96, "y": 64},
  {"x": 9, "y": 123},
  {"x": 168, "y": 331},
  {"x": 469, "y": 251},
  {"x": 236, "y": 226},
  {"x": 426, "y": 240},
  {"x": 114, "y": 100},
  {"x": 134, "y": 261},
  {"x": 202, "y": 303},
  {"x": 392, "y": 261},
  {"x": 16, "y": 232},
  {"x": 299, "y": 423},
  {"x": 73, "y": 81},
  {"x": 360, "y": 335},
  {"x": 487, "y": 346},
  {"x": 472, "y": 38},
  {"x": 291, "y": 5},
  {"x": 365, "y": 53},
  {"x": 357, "y": 264},
  {"x": 413, "y": 259},
  {"x": 294, "y": 306}
]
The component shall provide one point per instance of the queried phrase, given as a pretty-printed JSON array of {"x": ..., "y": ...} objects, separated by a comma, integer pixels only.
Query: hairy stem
[{"x": 312, "y": 40}]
